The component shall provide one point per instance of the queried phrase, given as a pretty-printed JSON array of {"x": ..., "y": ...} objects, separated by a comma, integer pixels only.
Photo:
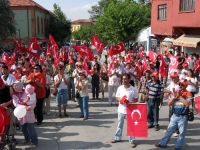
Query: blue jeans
[
  {"x": 30, "y": 133},
  {"x": 62, "y": 97},
  {"x": 179, "y": 121},
  {"x": 118, "y": 134},
  {"x": 153, "y": 111},
  {"x": 83, "y": 101}
]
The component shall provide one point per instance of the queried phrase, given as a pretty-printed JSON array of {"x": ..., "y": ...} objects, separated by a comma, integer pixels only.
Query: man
[
  {"x": 114, "y": 81},
  {"x": 71, "y": 87},
  {"x": 130, "y": 94},
  {"x": 154, "y": 95},
  {"x": 7, "y": 77},
  {"x": 180, "y": 108}
]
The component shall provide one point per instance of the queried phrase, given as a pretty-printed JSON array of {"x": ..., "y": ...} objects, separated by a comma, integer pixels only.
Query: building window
[
  {"x": 162, "y": 12},
  {"x": 38, "y": 25},
  {"x": 41, "y": 25},
  {"x": 187, "y": 5}
]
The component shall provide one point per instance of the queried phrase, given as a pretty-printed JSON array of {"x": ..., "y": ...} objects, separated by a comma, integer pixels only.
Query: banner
[
  {"x": 197, "y": 103},
  {"x": 137, "y": 120},
  {"x": 173, "y": 66}
]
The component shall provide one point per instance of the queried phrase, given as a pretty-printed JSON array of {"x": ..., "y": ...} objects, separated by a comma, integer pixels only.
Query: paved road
[{"x": 96, "y": 133}]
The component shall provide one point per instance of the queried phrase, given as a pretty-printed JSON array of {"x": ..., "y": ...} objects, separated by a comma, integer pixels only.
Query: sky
[{"x": 73, "y": 9}]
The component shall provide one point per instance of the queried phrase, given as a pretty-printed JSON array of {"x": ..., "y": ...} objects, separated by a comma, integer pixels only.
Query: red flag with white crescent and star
[
  {"x": 116, "y": 49},
  {"x": 137, "y": 120},
  {"x": 97, "y": 44},
  {"x": 152, "y": 56}
]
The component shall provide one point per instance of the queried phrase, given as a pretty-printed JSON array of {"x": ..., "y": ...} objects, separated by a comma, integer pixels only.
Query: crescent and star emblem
[{"x": 138, "y": 112}]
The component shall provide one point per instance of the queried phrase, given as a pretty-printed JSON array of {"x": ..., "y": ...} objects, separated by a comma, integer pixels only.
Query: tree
[
  {"x": 98, "y": 10},
  {"x": 59, "y": 26},
  {"x": 85, "y": 33},
  {"x": 122, "y": 21},
  {"x": 7, "y": 27}
]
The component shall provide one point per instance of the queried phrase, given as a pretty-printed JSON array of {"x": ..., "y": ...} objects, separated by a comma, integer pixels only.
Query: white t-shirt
[
  {"x": 191, "y": 88},
  {"x": 114, "y": 79},
  {"x": 62, "y": 84},
  {"x": 173, "y": 87},
  {"x": 131, "y": 93},
  {"x": 10, "y": 79}
]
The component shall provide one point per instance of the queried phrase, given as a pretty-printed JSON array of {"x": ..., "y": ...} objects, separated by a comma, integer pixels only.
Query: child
[{"x": 28, "y": 99}]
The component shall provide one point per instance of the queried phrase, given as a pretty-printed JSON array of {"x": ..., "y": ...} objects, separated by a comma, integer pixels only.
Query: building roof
[
  {"x": 82, "y": 21},
  {"x": 25, "y": 3}
]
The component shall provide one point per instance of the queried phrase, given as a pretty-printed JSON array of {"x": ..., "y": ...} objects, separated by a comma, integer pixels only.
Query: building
[
  {"x": 76, "y": 25},
  {"x": 31, "y": 19},
  {"x": 177, "y": 19}
]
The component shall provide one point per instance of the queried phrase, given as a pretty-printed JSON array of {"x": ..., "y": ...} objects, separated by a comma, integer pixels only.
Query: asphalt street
[{"x": 97, "y": 132}]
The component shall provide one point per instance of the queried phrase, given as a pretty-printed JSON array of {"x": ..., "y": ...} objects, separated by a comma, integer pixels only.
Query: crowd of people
[{"x": 31, "y": 83}]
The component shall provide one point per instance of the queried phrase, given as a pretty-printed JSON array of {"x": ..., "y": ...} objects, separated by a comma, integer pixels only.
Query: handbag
[
  {"x": 55, "y": 91},
  {"x": 77, "y": 95},
  {"x": 190, "y": 115}
]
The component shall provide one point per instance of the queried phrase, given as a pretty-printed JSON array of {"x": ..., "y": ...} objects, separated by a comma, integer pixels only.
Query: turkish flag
[
  {"x": 52, "y": 41},
  {"x": 152, "y": 56},
  {"x": 197, "y": 103},
  {"x": 20, "y": 47},
  {"x": 33, "y": 49},
  {"x": 173, "y": 66},
  {"x": 137, "y": 120},
  {"x": 63, "y": 54},
  {"x": 5, "y": 58},
  {"x": 49, "y": 50},
  {"x": 162, "y": 69},
  {"x": 84, "y": 51},
  {"x": 116, "y": 49},
  {"x": 97, "y": 44}
]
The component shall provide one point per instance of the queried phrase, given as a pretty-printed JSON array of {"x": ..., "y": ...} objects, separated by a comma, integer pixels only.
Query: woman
[
  {"x": 104, "y": 78},
  {"x": 192, "y": 84},
  {"x": 20, "y": 98},
  {"x": 38, "y": 81},
  {"x": 82, "y": 87},
  {"x": 61, "y": 82}
]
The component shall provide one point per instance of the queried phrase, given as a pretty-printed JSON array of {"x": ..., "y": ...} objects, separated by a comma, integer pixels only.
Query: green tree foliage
[
  {"x": 122, "y": 21},
  {"x": 98, "y": 10},
  {"x": 59, "y": 26},
  {"x": 7, "y": 27},
  {"x": 84, "y": 33}
]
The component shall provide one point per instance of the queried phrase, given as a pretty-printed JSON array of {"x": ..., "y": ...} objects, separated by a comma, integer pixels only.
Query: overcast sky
[{"x": 73, "y": 9}]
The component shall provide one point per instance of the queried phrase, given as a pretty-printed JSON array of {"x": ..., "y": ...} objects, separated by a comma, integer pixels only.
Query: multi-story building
[
  {"x": 177, "y": 19},
  {"x": 31, "y": 19},
  {"x": 76, "y": 25}
]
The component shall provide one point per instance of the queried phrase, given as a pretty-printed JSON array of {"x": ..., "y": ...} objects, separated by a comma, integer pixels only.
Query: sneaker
[
  {"x": 175, "y": 134},
  {"x": 161, "y": 146},
  {"x": 48, "y": 113},
  {"x": 115, "y": 141},
  {"x": 85, "y": 118},
  {"x": 157, "y": 128},
  {"x": 66, "y": 115},
  {"x": 133, "y": 145},
  {"x": 81, "y": 116},
  {"x": 150, "y": 126}
]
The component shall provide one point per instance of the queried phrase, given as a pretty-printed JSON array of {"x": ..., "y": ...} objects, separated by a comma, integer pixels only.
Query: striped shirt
[{"x": 155, "y": 90}]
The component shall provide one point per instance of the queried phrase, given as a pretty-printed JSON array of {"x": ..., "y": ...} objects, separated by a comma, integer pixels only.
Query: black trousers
[
  {"x": 39, "y": 110},
  {"x": 95, "y": 90}
]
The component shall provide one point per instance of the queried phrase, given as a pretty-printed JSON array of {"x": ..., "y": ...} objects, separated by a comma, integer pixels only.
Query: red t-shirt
[{"x": 40, "y": 91}]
